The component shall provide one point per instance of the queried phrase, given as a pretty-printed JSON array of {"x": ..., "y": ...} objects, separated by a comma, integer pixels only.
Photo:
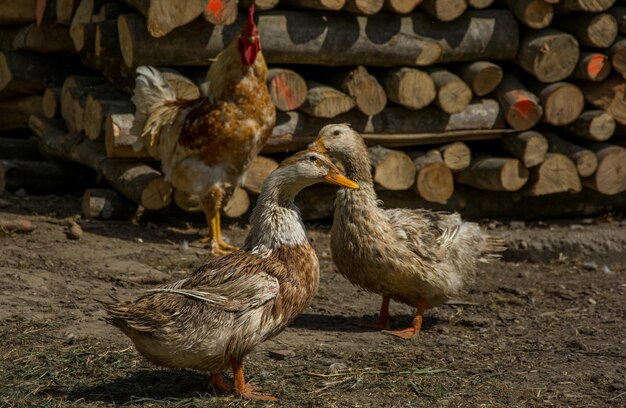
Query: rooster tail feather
[{"x": 151, "y": 91}]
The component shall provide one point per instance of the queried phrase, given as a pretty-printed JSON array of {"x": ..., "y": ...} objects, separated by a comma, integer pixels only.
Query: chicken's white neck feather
[{"x": 275, "y": 219}]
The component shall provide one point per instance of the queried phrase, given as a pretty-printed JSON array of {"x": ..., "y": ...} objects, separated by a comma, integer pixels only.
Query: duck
[
  {"x": 210, "y": 320},
  {"x": 418, "y": 257}
]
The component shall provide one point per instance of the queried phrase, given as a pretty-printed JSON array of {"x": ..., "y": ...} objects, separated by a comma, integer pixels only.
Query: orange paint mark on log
[
  {"x": 595, "y": 65},
  {"x": 524, "y": 107},
  {"x": 215, "y": 7},
  {"x": 285, "y": 91}
]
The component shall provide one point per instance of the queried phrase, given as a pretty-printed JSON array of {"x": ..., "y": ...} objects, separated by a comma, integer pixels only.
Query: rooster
[{"x": 205, "y": 145}]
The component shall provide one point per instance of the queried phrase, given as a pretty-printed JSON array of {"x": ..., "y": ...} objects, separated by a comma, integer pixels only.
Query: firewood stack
[{"x": 522, "y": 98}]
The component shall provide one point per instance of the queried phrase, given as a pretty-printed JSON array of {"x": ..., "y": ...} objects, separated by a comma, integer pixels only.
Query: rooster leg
[
  {"x": 211, "y": 203},
  {"x": 244, "y": 389},
  {"x": 414, "y": 329},
  {"x": 383, "y": 317},
  {"x": 223, "y": 245},
  {"x": 217, "y": 381}
]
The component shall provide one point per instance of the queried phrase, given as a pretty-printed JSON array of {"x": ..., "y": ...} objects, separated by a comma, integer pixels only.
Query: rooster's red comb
[{"x": 250, "y": 22}]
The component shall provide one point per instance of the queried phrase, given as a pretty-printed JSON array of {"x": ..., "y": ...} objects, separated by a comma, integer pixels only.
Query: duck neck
[
  {"x": 275, "y": 219},
  {"x": 358, "y": 168}
]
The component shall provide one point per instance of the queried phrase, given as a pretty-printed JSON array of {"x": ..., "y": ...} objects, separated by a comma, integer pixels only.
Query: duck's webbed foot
[
  {"x": 414, "y": 329},
  {"x": 218, "y": 382},
  {"x": 383, "y": 317},
  {"x": 245, "y": 389}
]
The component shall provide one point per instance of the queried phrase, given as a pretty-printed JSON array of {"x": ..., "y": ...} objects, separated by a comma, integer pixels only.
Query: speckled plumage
[{"x": 399, "y": 253}]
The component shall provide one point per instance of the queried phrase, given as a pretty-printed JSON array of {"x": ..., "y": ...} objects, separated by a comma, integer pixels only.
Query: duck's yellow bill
[
  {"x": 318, "y": 146},
  {"x": 339, "y": 179}
]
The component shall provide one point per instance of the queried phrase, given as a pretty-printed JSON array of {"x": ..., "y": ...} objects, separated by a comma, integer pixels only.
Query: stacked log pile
[{"x": 521, "y": 98}]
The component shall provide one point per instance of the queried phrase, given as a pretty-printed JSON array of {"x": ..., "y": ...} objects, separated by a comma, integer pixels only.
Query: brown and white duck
[
  {"x": 417, "y": 257},
  {"x": 212, "y": 319}
]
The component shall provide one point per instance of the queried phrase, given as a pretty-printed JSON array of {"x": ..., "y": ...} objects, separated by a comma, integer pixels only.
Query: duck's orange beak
[
  {"x": 334, "y": 177},
  {"x": 318, "y": 146}
]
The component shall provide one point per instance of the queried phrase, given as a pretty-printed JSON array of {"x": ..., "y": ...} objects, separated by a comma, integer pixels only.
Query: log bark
[
  {"x": 520, "y": 107},
  {"x": 620, "y": 17},
  {"x": 532, "y": 13},
  {"x": 257, "y": 172},
  {"x": 83, "y": 36},
  {"x": 453, "y": 95},
  {"x": 562, "y": 102},
  {"x": 566, "y": 6},
  {"x": 445, "y": 10},
  {"x": 111, "y": 11},
  {"x": 392, "y": 169},
  {"x": 557, "y": 174},
  {"x": 163, "y": 16},
  {"x": 287, "y": 88},
  {"x": 592, "y": 66},
  {"x": 82, "y": 30},
  {"x": 106, "y": 41},
  {"x": 457, "y": 156},
  {"x": 17, "y": 12},
  {"x": 617, "y": 53},
  {"x": 74, "y": 97},
  {"x": 595, "y": 125},
  {"x": 106, "y": 204},
  {"x": 332, "y": 5},
  {"x": 550, "y": 55},
  {"x": 529, "y": 147},
  {"x": 42, "y": 177},
  {"x": 585, "y": 160},
  {"x": 608, "y": 95},
  {"x": 118, "y": 138},
  {"x": 480, "y": 4},
  {"x": 14, "y": 113},
  {"x": 65, "y": 11},
  {"x": 433, "y": 181},
  {"x": 46, "y": 38},
  {"x": 494, "y": 174},
  {"x": 366, "y": 7},
  {"x": 45, "y": 10},
  {"x": 409, "y": 87},
  {"x": 220, "y": 12},
  {"x": 51, "y": 102},
  {"x": 401, "y": 6},
  {"x": 23, "y": 73},
  {"x": 610, "y": 177},
  {"x": 137, "y": 181},
  {"x": 324, "y": 101},
  {"x": 593, "y": 30},
  {"x": 357, "y": 40},
  {"x": 368, "y": 94},
  {"x": 483, "y": 77},
  {"x": 99, "y": 104}
]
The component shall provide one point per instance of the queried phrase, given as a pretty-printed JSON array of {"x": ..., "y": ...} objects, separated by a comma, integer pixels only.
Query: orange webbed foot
[
  {"x": 250, "y": 392},
  {"x": 220, "y": 385},
  {"x": 407, "y": 333}
]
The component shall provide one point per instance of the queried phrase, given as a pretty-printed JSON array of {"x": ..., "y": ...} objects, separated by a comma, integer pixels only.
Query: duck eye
[
  {"x": 312, "y": 158},
  {"x": 336, "y": 133}
]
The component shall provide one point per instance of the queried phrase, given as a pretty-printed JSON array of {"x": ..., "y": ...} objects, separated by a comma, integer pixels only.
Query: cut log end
[
  {"x": 238, "y": 204},
  {"x": 557, "y": 174},
  {"x": 435, "y": 183},
  {"x": 156, "y": 194},
  {"x": 393, "y": 170},
  {"x": 287, "y": 89}
]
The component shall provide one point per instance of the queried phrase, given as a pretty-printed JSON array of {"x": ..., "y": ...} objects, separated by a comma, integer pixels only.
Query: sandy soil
[{"x": 545, "y": 327}]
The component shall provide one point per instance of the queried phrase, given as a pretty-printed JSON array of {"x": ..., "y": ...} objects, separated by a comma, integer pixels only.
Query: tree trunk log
[
  {"x": 111, "y": 11},
  {"x": 566, "y": 6},
  {"x": 532, "y": 13},
  {"x": 610, "y": 177},
  {"x": 74, "y": 97},
  {"x": 42, "y": 177},
  {"x": 162, "y": 17},
  {"x": 324, "y": 101},
  {"x": 260, "y": 5},
  {"x": 592, "y": 66},
  {"x": 51, "y": 102},
  {"x": 557, "y": 174},
  {"x": 137, "y": 181},
  {"x": 480, "y": 4},
  {"x": 14, "y": 113},
  {"x": 592, "y": 30},
  {"x": 257, "y": 172},
  {"x": 457, "y": 156},
  {"x": 530, "y": 147},
  {"x": 433, "y": 179},
  {"x": 17, "y": 12},
  {"x": 20, "y": 149},
  {"x": 392, "y": 169},
  {"x": 585, "y": 160},
  {"x": 409, "y": 87},
  {"x": 65, "y": 11},
  {"x": 416, "y": 38},
  {"x": 105, "y": 204},
  {"x": 220, "y": 12},
  {"x": 453, "y": 95},
  {"x": 46, "y": 38},
  {"x": 494, "y": 174},
  {"x": 608, "y": 95},
  {"x": 550, "y": 55},
  {"x": 593, "y": 125},
  {"x": 445, "y": 10},
  {"x": 368, "y": 95},
  {"x": 332, "y": 5},
  {"x": 366, "y": 7},
  {"x": 520, "y": 107},
  {"x": 401, "y": 6},
  {"x": 237, "y": 205},
  {"x": 118, "y": 139},
  {"x": 620, "y": 17},
  {"x": 617, "y": 53},
  {"x": 483, "y": 77},
  {"x": 562, "y": 102},
  {"x": 99, "y": 104},
  {"x": 287, "y": 89}
]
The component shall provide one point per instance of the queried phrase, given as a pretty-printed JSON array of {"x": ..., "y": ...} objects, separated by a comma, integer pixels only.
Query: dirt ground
[{"x": 544, "y": 327}]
